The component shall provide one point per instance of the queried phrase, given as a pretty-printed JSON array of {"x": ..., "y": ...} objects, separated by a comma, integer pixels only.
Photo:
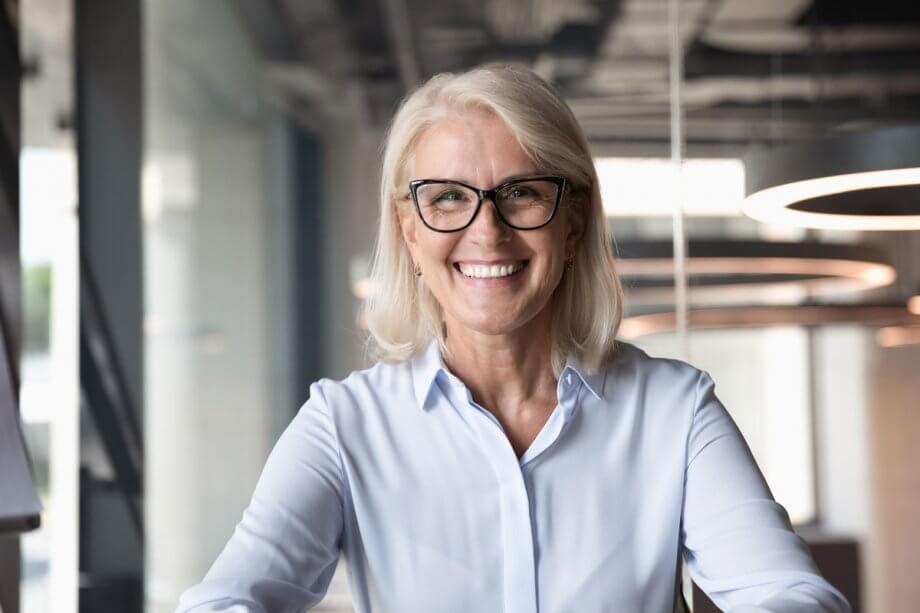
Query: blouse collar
[{"x": 427, "y": 365}]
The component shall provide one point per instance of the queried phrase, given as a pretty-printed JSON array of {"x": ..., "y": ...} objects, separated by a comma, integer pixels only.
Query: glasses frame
[{"x": 490, "y": 194}]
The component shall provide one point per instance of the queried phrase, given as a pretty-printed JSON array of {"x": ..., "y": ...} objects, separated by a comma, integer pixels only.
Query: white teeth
[{"x": 490, "y": 272}]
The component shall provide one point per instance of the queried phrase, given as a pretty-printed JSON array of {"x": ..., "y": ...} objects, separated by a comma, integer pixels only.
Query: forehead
[{"x": 476, "y": 147}]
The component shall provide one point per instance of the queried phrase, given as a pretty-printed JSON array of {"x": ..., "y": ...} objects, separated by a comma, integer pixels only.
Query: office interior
[{"x": 188, "y": 206}]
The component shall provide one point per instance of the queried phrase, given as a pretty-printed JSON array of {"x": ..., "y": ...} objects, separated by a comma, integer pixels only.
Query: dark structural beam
[{"x": 109, "y": 121}]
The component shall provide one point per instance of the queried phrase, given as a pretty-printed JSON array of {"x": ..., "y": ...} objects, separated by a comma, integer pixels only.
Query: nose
[{"x": 487, "y": 226}]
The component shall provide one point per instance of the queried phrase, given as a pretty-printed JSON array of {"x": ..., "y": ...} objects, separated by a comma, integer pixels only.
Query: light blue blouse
[{"x": 399, "y": 468}]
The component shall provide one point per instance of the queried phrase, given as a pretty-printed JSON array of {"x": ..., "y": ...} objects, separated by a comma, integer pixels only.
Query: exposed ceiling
[{"x": 756, "y": 72}]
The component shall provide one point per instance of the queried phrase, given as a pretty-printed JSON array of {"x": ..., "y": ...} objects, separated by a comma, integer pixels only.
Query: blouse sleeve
[
  {"x": 738, "y": 542},
  {"x": 283, "y": 553}
]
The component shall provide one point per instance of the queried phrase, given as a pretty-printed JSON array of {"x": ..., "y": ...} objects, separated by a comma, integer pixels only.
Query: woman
[{"x": 506, "y": 453}]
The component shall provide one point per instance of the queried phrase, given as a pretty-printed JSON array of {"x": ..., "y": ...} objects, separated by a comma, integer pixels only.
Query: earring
[
  {"x": 570, "y": 263},
  {"x": 416, "y": 269}
]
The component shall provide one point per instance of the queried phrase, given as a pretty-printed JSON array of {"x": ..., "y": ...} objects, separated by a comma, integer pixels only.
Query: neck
[{"x": 509, "y": 374}]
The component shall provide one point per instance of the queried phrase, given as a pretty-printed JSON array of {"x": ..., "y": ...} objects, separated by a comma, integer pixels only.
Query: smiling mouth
[{"x": 485, "y": 271}]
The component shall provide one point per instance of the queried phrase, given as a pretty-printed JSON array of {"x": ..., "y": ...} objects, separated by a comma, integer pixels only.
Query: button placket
[
  {"x": 520, "y": 588},
  {"x": 517, "y": 533}
]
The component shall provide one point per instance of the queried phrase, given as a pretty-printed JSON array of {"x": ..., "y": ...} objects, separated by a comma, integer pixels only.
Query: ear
[
  {"x": 576, "y": 216},
  {"x": 407, "y": 219}
]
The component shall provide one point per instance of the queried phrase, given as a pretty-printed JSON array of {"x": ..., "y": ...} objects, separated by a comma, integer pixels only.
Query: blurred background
[{"x": 184, "y": 249}]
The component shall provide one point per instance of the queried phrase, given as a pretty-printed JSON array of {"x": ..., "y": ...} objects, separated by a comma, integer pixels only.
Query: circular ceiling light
[
  {"x": 857, "y": 181},
  {"x": 898, "y": 336},
  {"x": 728, "y": 271},
  {"x": 768, "y": 316},
  {"x": 913, "y": 305}
]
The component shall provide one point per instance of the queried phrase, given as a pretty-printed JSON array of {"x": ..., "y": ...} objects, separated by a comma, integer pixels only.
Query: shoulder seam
[
  {"x": 327, "y": 413},
  {"x": 693, "y": 414}
]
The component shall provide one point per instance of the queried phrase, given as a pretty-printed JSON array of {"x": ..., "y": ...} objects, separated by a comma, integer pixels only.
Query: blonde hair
[{"x": 402, "y": 315}]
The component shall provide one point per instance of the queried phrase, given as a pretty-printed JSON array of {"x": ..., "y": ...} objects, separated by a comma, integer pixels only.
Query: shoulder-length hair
[{"x": 402, "y": 315}]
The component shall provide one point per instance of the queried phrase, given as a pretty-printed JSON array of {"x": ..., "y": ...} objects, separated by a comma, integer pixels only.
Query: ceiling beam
[{"x": 403, "y": 40}]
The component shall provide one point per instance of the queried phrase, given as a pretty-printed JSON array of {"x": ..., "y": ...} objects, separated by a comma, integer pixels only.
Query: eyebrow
[
  {"x": 527, "y": 175},
  {"x": 506, "y": 179}
]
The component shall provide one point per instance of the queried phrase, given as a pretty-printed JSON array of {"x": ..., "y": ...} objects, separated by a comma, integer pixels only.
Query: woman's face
[{"x": 479, "y": 149}]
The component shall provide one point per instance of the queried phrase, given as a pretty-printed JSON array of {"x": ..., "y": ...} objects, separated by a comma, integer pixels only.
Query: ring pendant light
[
  {"x": 867, "y": 181},
  {"x": 739, "y": 271},
  {"x": 719, "y": 318}
]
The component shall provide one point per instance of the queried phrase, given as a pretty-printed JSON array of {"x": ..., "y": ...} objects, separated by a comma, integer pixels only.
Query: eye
[
  {"x": 451, "y": 195},
  {"x": 518, "y": 192}
]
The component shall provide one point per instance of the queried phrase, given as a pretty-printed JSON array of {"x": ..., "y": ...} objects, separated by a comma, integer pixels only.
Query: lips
[
  {"x": 490, "y": 271},
  {"x": 486, "y": 270}
]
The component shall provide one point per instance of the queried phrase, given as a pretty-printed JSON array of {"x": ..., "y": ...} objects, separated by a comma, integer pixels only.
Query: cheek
[
  {"x": 552, "y": 249},
  {"x": 551, "y": 280},
  {"x": 433, "y": 247},
  {"x": 553, "y": 266}
]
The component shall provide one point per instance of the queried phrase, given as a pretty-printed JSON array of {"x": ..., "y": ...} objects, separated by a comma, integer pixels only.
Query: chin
[{"x": 491, "y": 324}]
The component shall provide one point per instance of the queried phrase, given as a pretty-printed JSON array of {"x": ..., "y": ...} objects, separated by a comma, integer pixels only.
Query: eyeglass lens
[{"x": 523, "y": 204}]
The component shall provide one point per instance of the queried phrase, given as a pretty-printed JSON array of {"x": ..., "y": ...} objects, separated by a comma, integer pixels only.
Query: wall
[{"x": 893, "y": 563}]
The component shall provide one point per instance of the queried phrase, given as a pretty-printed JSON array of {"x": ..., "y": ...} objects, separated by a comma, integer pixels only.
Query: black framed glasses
[{"x": 522, "y": 204}]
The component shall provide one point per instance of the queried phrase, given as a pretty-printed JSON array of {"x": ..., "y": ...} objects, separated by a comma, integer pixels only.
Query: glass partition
[
  {"x": 49, "y": 388},
  {"x": 263, "y": 123}
]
